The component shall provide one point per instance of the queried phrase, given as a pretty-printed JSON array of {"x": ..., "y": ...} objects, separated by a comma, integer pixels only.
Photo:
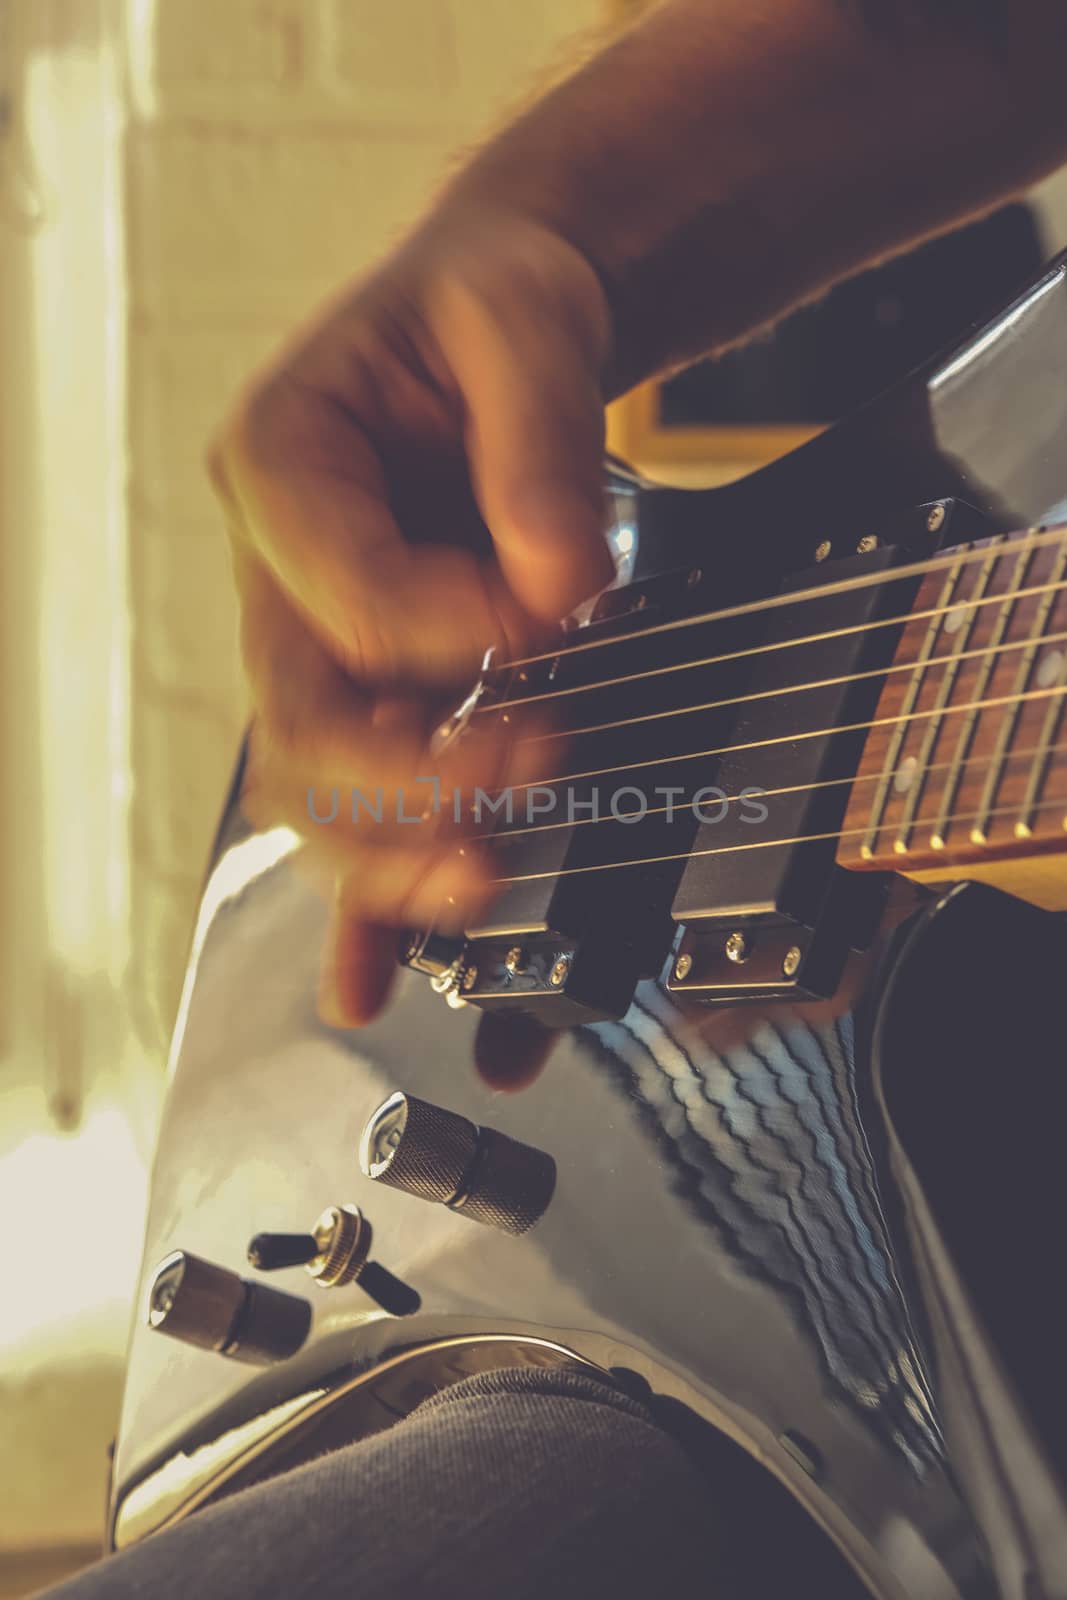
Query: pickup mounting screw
[
  {"x": 868, "y": 543},
  {"x": 683, "y": 967},
  {"x": 737, "y": 947},
  {"x": 823, "y": 550},
  {"x": 513, "y": 961},
  {"x": 935, "y": 518},
  {"x": 559, "y": 972},
  {"x": 792, "y": 961}
]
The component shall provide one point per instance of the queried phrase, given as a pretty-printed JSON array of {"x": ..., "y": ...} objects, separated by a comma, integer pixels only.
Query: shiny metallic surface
[
  {"x": 509, "y": 1185},
  {"x": 683, "y": 967},
  {"x": 676, "y": 1239},
  {"x": 272, "y": 1327},
  {"x": 211, "y": 1308},
  {"x": 669, "y": 1241},
  {"x": 721, "y": 1225},
  {"x": 737, "y": 948},
  {"x": 194, "y": 1300},
  {"x": 413, "y": 1145},
  {"x": 343, "y": 1235},
  {"x": 435, "y": 1155}
]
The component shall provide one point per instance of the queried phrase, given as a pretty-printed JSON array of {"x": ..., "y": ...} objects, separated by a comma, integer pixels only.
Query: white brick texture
[{"x": 273, "y": 148}]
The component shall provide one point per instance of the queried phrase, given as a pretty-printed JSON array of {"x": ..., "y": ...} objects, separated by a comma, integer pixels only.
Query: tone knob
[
  {"x": 208, "y": 1306},
  {"x": 437, "y": 1155}
]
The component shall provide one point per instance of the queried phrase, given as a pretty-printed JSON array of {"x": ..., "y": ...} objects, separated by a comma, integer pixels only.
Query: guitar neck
[{"x": 964, "y": 772}]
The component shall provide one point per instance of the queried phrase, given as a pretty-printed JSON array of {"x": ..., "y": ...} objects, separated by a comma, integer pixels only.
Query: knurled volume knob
[
  {"x": 208, "y": 1306},
  {"x": 437, "y": 1155}
]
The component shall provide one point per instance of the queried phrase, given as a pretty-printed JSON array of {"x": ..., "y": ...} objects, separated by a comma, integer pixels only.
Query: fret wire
[
  {"x": 1009, "y": 719},
  {"x": 703, "y": 661},
  {"x": 908, "y": 704},
  {"x": 763, "y": 744},
  {"x": 742, "y": 699},
  {"x": 967, "y": 731},
  {"x": 641, "y": 675},
  {"x": 764, "y": 794},
  {"x": 942, "y": 702},
  {"x": 1038, "y": 538},
  {"x": 1046, "y": 745},
  {"x": 732, "y": 849}
]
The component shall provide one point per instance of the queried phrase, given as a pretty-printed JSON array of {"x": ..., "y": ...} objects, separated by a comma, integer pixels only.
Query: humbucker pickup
[{"x": 700, "y": 751}]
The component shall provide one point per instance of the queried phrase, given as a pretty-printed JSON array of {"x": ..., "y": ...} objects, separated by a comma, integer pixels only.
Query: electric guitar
[{"x": 781, "y": 929}]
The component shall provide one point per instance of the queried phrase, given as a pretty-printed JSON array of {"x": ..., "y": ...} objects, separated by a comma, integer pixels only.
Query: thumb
[{"x": 535, "y": 445}]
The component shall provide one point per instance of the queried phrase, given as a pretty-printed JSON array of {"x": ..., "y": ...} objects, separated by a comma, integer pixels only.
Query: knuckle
[{"x": 252, "y": 435}]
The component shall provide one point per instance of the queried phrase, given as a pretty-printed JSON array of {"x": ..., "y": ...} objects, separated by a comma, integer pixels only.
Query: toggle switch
[
  {"x": 335, "y": 1254},
  {"x": 438, "y": 1155},
  {"x": 208, "y": 1306}
]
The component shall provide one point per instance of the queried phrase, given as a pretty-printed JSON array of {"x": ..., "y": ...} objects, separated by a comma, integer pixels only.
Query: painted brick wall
[{"x": 273, "y": 148}]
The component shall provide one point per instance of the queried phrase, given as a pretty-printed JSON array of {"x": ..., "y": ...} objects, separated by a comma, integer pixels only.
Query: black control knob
[
  {"x": 208, "y": 1306},
  {"x": 437, "y": 1155}
]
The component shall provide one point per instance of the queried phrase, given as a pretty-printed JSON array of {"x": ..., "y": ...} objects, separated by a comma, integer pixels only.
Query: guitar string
[
  {"x": 1012, "y": 547},
  {"x": 755, "y": 844},
  {"x": 905, "y": 617},
  {"x": 1036, "y": 539},
  {"x": 843, "y": 680},
  {"x": 766, "y": 794},
  {"x": 784, "y": 738}
]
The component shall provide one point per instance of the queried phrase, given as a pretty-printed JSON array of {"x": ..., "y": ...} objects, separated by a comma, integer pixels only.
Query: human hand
[{"x": 417, "y": 478}]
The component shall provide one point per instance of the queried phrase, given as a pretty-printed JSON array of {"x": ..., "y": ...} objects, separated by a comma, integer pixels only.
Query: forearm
[{"x": 727, "y": 158}]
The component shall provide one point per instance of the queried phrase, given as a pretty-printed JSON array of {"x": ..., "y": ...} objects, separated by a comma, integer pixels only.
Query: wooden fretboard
[{"x": 964, "y": 772}]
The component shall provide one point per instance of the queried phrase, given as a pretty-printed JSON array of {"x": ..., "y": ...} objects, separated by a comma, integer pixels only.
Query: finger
[
  {"x": 331, "y": 730},
  {"x": 422, "y": 881},
  {"x": 359, "y": 967},
  {"x": 511, "y": 1050},
  {"x": 535, "y": 437},
  {"x": 306, "y": 490}
]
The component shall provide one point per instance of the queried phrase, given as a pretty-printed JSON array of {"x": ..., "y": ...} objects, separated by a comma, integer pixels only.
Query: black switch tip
[
  {"x": 399, "y": 1299},
  {"x": 269, "y": 1252}
]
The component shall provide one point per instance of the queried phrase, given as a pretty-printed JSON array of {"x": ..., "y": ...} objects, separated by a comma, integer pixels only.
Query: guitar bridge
[{"x": 560, "y": 983}]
